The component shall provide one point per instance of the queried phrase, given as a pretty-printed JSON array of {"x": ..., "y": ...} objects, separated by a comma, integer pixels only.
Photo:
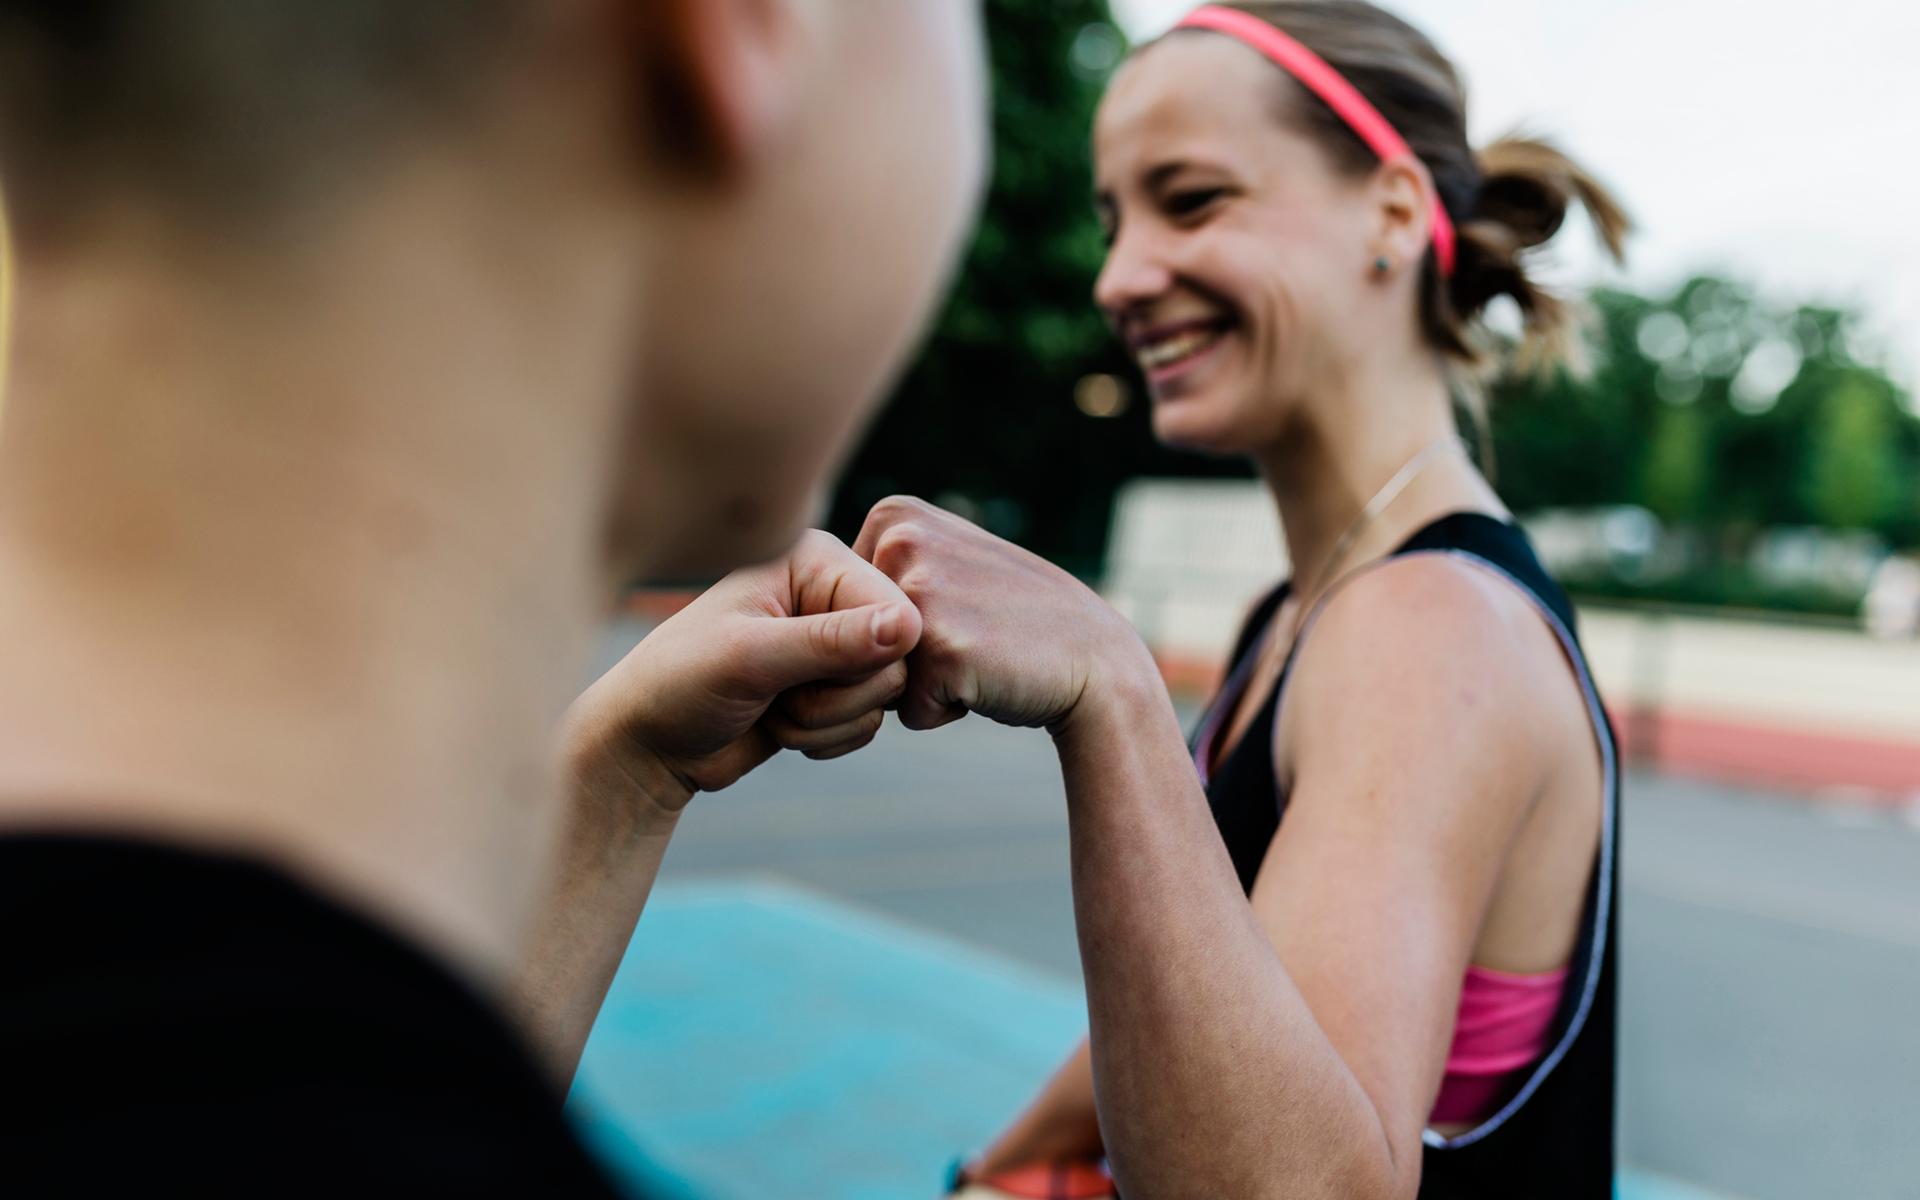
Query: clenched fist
[
  {"x": 1005, "y": 633},
  {"x": 805, "y": 653}
]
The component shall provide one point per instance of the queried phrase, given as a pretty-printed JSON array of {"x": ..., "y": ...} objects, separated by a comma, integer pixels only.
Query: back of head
[
  {"x": 1505, "y": 200},
  {"x": 212, "y": 107},
  {"x": 800, "y": 173}
]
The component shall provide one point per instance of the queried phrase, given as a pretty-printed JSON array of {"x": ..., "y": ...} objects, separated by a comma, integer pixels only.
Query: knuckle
[
  {"x": 952, "y": 648},
  {"x": 917, "y": 580},
  {"x": 889, "y": 512},
  {"x": 817, "y": 548},
  {"x": 898, "y": 548},
  {"x": 827, "y": 636}
]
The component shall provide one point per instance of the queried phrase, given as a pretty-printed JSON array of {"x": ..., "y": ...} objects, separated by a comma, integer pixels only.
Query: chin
[{"x": 1198, "y": 428}]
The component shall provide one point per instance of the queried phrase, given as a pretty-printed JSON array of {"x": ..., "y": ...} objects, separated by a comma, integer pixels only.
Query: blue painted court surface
[{"x": 763, "y": 1041}]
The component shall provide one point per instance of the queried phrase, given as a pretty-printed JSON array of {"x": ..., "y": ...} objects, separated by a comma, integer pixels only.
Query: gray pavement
[{"x": 1771, "y": 961}]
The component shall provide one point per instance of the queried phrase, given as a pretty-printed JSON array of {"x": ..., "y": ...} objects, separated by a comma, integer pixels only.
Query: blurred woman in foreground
[{"x": 1368, "y": 948}]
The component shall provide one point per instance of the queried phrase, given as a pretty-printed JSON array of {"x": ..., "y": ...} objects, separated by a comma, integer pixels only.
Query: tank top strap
[
  {"x": 1471, "y": 535},
  {"x": 1499, "y": 543},
  {"x": 1252, "y": 629}
]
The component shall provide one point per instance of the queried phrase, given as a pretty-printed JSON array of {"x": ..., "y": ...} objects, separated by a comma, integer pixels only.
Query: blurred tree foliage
[
  {"x": 986, "y": 421},
  {"x": 1718, "y": 412}
]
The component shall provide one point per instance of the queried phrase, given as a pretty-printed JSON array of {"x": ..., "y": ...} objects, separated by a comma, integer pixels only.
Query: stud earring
[{"x": 1381, "y": 266}]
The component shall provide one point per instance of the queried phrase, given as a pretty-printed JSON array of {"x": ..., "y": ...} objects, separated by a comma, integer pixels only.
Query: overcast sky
[{"x": 1776, "y": 142}]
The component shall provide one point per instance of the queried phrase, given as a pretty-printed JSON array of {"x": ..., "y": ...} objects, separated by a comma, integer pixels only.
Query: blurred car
[{"x": 1892, "y": 606}]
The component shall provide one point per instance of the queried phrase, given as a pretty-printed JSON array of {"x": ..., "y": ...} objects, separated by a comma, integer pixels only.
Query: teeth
[{"x": 1177, "y": 347}]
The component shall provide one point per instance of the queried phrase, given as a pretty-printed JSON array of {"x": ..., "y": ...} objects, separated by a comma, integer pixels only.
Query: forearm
[
  {"x": 617, "y": 832},
  {"x": 1061, "y": 1124},
  {"x": 1212, "y": 1075}
]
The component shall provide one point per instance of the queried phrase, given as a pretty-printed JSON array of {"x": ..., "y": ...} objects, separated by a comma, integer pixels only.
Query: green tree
[
  {"x": 1852, "y": 477},
  {"x": 1717, "y": 410},
  {"x": 1676, "y": 472},
  {"x": 1572, "y": 441}
]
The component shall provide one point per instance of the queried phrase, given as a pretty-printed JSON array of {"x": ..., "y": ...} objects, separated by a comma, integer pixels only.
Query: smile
[{"x": 1162, "y": 355}]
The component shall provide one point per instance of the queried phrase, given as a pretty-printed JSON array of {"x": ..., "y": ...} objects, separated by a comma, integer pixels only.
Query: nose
[{"x": 1133, "y": 275}]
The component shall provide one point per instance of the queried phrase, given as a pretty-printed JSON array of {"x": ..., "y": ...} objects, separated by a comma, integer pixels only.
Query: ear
[
  {"x": 721, "y": 77},
  {"x": 1403, "y": 210}
]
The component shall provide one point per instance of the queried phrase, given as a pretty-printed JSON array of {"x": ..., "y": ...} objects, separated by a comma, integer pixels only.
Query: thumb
[{"x": 849, "y": 644}]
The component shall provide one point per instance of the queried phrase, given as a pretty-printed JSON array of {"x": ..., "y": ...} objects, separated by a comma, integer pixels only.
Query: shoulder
[
  {"x": 303, "y": 1056},
  {"x": 1428, "y": 646},
  {"x": 1433, "y": 606}
]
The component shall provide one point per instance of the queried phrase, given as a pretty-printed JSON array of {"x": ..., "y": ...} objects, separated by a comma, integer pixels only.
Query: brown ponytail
[{"x": 1526, "y": 187}]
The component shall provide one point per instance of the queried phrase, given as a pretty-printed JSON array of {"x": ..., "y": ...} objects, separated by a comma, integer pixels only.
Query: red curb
[
  {"x": 1197, "y": 678},
  {"x": 1881, "y": 771}
]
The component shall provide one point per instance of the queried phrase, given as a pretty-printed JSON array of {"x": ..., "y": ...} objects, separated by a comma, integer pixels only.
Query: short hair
[{"x": 223, "y": 105}]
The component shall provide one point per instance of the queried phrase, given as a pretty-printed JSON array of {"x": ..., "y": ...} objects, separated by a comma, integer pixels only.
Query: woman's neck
[{"x": 1388, "y": 432}]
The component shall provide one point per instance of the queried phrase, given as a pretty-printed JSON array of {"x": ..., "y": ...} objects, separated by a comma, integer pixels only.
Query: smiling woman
[
  {"x": 1321, "y": 968},
  {"x": 1485, "y": 210}
]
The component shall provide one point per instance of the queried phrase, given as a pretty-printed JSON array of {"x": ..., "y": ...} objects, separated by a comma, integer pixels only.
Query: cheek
[
  {"x": 1270, "y": 341},
  {"x": 1308, "y": 307},
  {"x": 1253, "y": 274}
]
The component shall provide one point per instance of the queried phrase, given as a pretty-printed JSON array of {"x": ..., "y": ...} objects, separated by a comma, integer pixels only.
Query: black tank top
[{"x": 1554, "y": 1137}]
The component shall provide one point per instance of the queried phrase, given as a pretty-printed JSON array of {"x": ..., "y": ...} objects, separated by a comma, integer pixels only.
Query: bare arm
[
  {"x": 1304, "y": 1034},
  {"x": 619, "y": 823},
  {"x": 1291, "y": 1047},
  {"x": 1213, "y": 1073},
  {"x": 802, "y": 654}
]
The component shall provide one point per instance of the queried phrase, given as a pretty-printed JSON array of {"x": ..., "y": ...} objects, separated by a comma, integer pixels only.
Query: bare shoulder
[
  {"x": 1429, "y": 643},
  {"x": 1429, "y": 604}
]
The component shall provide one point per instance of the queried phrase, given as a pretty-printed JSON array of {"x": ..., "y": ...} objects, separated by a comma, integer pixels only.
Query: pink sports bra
[
  {"x": 1501, "y": 1031},
  {"x": 1504, "y": 1023}
]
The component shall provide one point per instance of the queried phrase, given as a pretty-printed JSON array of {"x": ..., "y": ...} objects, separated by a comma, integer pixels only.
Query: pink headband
[{"x": 1314, "y": 74}]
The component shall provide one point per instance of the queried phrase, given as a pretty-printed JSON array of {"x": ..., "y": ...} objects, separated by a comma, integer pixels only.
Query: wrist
[
  {"x": 1124, "y": 688},
  {"x": 620, "y": 780}
]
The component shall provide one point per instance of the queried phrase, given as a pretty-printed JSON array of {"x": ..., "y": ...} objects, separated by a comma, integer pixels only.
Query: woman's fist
[{"x": 1004, "y": 632}]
